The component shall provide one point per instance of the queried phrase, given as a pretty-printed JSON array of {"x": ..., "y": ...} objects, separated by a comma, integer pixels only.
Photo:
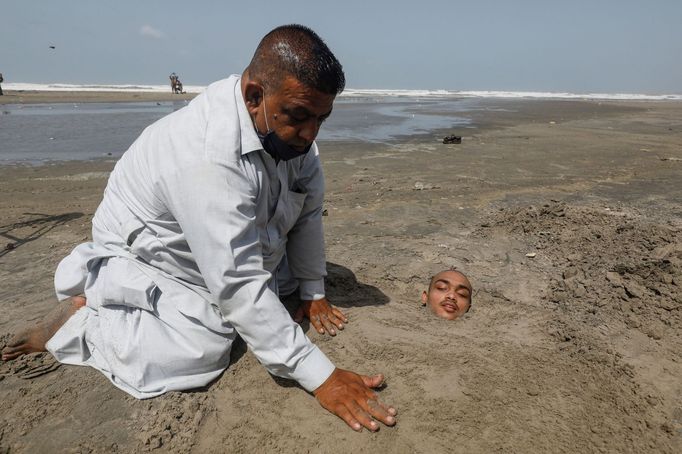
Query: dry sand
[{"x": 575, "y": 350}]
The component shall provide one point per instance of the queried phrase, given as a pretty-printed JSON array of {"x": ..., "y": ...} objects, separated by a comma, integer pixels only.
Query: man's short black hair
[{"x": 298, "y": 51}]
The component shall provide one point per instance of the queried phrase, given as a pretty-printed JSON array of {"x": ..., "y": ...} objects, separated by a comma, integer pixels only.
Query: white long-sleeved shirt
[{"x": 198, "y": 198}]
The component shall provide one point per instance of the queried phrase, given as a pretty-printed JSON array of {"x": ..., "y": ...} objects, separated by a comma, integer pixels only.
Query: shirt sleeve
[
  {"x": 305, "y": 243},
  {"x": 215, "y": 206}
]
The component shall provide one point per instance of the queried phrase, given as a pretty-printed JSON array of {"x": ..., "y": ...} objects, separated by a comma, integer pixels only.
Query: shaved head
[
  {"x": 449, "y": 294},
  {"x": 295, "y": 50},
  {"x": 434, "y": 278}
]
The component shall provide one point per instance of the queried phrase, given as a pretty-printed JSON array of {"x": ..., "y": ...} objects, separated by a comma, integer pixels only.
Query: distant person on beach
[
  {"x": 212, "y": 214},
  {"x": 176, "y": 85},
  {"x": 448, "y": 295},
  {"x": 173, "y": 77},
  {"x": 1, "y": 81}
]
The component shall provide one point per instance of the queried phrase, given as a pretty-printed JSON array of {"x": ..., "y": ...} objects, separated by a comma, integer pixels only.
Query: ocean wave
[
  {"x": 363, "y": 93},
  {"x": 371, "y": 93}
]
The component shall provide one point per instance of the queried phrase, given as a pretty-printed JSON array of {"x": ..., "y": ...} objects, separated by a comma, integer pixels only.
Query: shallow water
[{"x": 38, "y": 133}]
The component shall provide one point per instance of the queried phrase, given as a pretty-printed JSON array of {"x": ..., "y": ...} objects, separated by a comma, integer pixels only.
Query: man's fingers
[
  {"x": 374, "y": 381},
  {"x": 349, "y": 396},
  {"x": 381, "y": 412},
  {"x": 335, "y": 320},
  {"x": 363, "y": 417},
  {"x": 328, "y": 326},
  {"x": 347, "y": 416},
  {"x": 323, "y": 316},
  {"x": 317, "y": 323},
  {"x": 340, "y": 315}
]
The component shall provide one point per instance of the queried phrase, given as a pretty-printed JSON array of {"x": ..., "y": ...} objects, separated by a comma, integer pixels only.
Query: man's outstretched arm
[{"x": 215, "y": 207}]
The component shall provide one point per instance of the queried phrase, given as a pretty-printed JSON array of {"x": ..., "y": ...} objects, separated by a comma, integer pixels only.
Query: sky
[{"x": 597, "y": 46}]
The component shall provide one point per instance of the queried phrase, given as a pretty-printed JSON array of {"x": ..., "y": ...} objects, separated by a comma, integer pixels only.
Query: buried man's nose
[{"x": 452, "y": 297}]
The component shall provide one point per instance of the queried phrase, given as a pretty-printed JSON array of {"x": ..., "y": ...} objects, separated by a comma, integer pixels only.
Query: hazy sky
[{"x": 530, "y": 45}]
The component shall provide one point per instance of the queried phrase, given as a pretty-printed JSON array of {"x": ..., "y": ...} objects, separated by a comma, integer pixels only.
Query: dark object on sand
[
  {"x": 9, "y": 246},
  {"x": 452, "y": 139}
]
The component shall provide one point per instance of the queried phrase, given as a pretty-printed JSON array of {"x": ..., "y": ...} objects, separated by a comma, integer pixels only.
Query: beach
[
  {"x": 565, "y": 214},
  {"x": 39, "y": 96}
]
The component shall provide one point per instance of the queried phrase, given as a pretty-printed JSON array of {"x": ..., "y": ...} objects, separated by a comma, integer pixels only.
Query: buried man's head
[{"x": 449, "y": 294}]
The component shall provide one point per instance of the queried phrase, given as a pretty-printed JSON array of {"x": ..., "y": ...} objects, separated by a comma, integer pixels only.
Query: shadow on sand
[{"x": 40, "y": 225}]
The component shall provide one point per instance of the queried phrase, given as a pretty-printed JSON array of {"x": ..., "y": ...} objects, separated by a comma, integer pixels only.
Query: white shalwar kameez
[{"x": 195, "y": 224}]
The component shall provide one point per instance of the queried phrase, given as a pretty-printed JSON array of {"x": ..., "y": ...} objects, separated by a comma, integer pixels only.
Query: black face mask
[
  {"x": 279, "y": 149},
  {"x": 274, "y": 145}
]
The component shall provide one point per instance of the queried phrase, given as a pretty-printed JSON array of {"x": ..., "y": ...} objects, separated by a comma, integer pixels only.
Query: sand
[
  {"x": 576, "y": 349},
  {"x": 41, "y": 97}
]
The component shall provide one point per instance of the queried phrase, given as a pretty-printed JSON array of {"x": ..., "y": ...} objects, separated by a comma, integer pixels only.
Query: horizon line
[{"x": 355, "y": 92}]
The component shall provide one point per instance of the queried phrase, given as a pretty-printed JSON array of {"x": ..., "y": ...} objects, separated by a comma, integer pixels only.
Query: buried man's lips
[{"x": 448, "y": 306}]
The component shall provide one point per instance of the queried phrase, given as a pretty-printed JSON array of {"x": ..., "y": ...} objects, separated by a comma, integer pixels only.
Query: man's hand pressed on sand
[
  {"x": 324, "y": 317},
  {"x": 350, "y": 397}
]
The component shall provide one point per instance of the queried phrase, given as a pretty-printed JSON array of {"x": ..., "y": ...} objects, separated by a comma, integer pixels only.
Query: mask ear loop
[{"x": 265, "y": 110}]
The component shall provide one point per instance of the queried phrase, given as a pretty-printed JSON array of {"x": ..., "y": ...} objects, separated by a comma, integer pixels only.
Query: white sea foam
[
  {"x": 370, "y": 93},
  {"x": 363, "y": 93}
]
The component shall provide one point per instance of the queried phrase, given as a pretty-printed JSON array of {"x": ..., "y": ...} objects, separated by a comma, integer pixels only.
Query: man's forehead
[
  {"x": 452, "y": 276},
  {"x": 295, "y": 94}
]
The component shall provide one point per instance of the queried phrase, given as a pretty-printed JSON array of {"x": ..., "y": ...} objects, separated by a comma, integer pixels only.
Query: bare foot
[{"x": 34, "y": 339}]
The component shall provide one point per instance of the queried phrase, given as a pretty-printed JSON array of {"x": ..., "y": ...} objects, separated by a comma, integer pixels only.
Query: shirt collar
[{"x": 249, "y": 138}]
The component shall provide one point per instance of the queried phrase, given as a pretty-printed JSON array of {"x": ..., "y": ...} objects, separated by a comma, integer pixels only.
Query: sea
[{"x": 35, "y": 134}]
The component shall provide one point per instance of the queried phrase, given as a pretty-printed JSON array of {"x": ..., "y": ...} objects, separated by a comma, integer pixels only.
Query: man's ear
[
  {"x": 425, "y": 298},
  {"x": 253, "y": 96}
]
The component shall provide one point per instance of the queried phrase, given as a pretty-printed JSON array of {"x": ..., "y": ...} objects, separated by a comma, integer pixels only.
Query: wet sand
[
  {"x": 43, "y": 97},
  {"x": 576, "y": 349}
]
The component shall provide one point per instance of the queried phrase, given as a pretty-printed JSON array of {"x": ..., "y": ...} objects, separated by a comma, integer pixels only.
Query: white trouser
[{"x": 148, "y": 333}]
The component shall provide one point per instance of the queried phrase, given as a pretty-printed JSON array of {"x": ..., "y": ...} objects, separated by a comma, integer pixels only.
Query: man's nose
[
  {"x": 452, "y": 297},
  {"x": 309, "y": 130}
]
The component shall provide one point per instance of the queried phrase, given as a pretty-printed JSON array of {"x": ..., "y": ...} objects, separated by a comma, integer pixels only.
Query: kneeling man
[{"x": 208, "y": 216}]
